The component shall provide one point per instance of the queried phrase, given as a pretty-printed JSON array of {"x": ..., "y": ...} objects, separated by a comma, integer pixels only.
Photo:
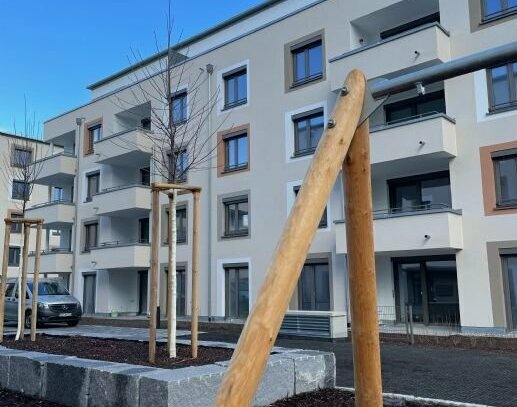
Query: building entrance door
[
  {"x": 89, "y": 294},
  {"x": 143, "y": 276}
]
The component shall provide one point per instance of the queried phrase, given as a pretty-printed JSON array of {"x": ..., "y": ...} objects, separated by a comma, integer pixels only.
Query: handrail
[
  {"x": 121, "y": 243},
  {"x": 52, "y": 202},
  {"x": 57, "y": 250},
  {"x": 121, "y": 187},
  {"x": 414, "y": 208},
  {"x": 411, "y": 120},
  {"x": 120, "y": 133},
  {"x": 62, "y": 153}
]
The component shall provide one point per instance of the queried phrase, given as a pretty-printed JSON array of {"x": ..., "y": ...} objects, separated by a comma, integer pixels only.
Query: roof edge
[{"x": 27, "y": 138}]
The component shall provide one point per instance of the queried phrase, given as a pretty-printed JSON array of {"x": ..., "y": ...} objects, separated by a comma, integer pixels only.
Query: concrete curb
[
  {"x": 77, "y": 382},
  {"x": 395, "y": 400}
]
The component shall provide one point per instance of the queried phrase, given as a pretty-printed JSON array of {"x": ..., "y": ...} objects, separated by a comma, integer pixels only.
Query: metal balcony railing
[{"x": 53, "y": 202}]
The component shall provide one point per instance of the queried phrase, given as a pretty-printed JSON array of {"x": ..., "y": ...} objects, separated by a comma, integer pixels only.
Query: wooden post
[
  {"x": 22, "y": 292},
  {"x": 35, "y": 283},
  {"x": 259, "y": 334},
  {"x": 361, "y": 271},
  {"x": 155, "y": 245},
  {"x": 195, "y": 277},
  {"x": 5, "y": 261}
]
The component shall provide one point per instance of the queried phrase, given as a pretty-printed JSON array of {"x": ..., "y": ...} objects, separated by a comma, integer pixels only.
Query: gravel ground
[{"x": 9, "y": 399}]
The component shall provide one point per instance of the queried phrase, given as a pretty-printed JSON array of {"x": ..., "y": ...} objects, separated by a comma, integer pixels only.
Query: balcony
[
  {"x": 132, "y": 254},
  {"x": 53, "y": 261},
  {"x": 57, "y": 169},
  {"x": 425, "y": 45},
  {"x": 431, "y": 136},
  {"x": 433, "y": 228},
  {"x": 55, "y": 214},
  {"x": 124, "y": 201},
  {"x": 130, "y": 147}
]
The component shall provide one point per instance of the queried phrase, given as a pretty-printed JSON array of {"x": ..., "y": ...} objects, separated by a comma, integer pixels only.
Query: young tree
[{"x": 180, "y": 132}]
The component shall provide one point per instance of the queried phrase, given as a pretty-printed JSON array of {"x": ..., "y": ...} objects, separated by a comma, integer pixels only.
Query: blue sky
[{"x": 50, "y": 50}]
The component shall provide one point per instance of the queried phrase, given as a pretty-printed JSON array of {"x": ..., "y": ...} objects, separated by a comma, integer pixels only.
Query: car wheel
[
  {"x": 28, "y": 321},
  {"x": 72, "y": 323}
]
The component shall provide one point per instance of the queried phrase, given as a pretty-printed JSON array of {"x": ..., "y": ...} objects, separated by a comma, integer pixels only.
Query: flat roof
[
  {"x": 197, "y": 37},
  {"x": 28, "y": 138}
]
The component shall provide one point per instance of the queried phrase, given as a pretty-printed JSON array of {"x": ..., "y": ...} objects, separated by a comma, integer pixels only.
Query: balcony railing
[
  {"x": 413, "y": 210},
  {"x": 57, "y": 250},
  {"x": 121, "y": 187},
  {"x": 121, "y": 133},
  {"x": 121, "y": 243},
  {"x": 61, "y": 154},
  {"x": 53, "y": 202}
]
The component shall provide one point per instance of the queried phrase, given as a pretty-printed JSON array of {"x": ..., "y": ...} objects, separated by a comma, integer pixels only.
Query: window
[
  {"x": 181, "y": 224},
  {"x": 94, "y": 134},
  {"x": 505, "y": 171},
  {"x": 314, "y": 287},
  {"x": 145, "y": 176},
  {"x": 236, "y": 291},
  {"x": 143, "y": 230},
  {"x": 21, "y": 190},
  {"x": 92, "y": 185},
  {"x": 323, "y": 222},
  {"x": 14, "y": 257},
  {"x": 146, "y": 123},
  {"x": 422, "y": 192},
  {"x": 179, "y": 107},
  {"x": 9, "y": 290},
  {"x": 498, "y": 8},
  {"x": 16, "y": 227},
  {"x": 510, "y": 266},
  {"x": 235, "y": 88},
  {"x": 307, "y": 61},
  {"x": 22, "y": 157},
  {"x": 236, "y": 222},
  {"x": 236, "y": 152},
  {"x": 502, "y": 87},
  {"x": 91, "y": 238},
  {"x": 420, "y": 106},
  {"x": 58, "y": 194},
  {"x": 178, "y": 172},
  {"x": 432, "y": 18},
  {"x": 308, "y": 129}
]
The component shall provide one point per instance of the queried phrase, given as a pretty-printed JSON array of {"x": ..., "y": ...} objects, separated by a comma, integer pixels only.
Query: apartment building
[
  {"x": 444, "y": 165},
  {"x": 15, "y": 153}
]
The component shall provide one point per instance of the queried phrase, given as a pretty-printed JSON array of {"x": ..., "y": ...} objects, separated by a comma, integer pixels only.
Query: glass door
[{"x": 511, "y": 269}]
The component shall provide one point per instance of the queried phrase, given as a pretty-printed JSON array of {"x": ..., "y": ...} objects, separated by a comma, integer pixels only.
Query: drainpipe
[
  {"x": 209, "y": 71},
  {"x": 74, "y": 243}
]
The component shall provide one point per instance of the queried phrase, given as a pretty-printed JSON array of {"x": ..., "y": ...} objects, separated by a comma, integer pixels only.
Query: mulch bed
[
  {"x": 120, "y": 351},
  {"x": 9, "y": 399},
  {"x": 331, "y": 398}
]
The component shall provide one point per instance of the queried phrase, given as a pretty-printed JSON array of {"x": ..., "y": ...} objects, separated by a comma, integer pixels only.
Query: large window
[
  {"x": 145, "y": 176},
  {"x": 92, "y": 185},
  {"x": 178, "y": 172},
  {"x": 510, "y": 266},
  {"x": 235, "y": 88},
  {"x": 236, "y": 291},
  {"x": 502, "y": 87},
  {"x": 323, "y": 222},
  {"x": 236, "y": 152},
  {"x": 16, "y": 227},
  {"x": 143, "y": 230},
  {"x": 179, "y": 107},
  {"x": 94, "y": 134},
  {"x": 413, "y": 108},
  {"x": 14, "y": 257},
  {"x": 498, "y": 8},
  {"x": 236, "y": 221},
  {"x": 307, "y": 61},
  {"x": 505, "y": 170},
  {"x": 422, "y": 192},
  {"x": 22, "y": 157},
  {"x": 91, "y": 236},
  {"x": 181, "y": 224},
  {"x": 314, "y": 287},
  {"x": 21, "y": 191},
  {"x": 308, "y": 129}
]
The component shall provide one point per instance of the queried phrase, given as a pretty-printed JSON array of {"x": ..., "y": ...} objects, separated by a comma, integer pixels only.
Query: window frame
[
  {"x": 306, "y": 116},
  {"x": 240, "y": 231},
  {"x": 234, "y": 74},
  {"x": 313, "y": 263},
  {"x": 12, "y": 262},
  {"x": 91, "y": 140},
  {"x": 305, "y": 47},
  {"x": 413, "y": 104},
  {"x": 324, "y": 218},
  {"x": 496, "y": 157},
  {"x": 504, "y": 12},
  {"x": 511, "y": 323},
  {"x": 26, "y": 195},
  {"x": 89, "y": 176},
  {"x": 512, "y": 83},
  {"x": 235, "y": 137},
  {"x": 182, "y": 96},
  {"x": 15, "y": 162},
  {"x": 86, "y": 247},
  {"x": 237, "y": 269},
  {"x": 16, "y": 227}
]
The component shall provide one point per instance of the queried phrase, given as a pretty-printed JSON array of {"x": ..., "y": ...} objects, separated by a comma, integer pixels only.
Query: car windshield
[{"x": 50, "y": 288}]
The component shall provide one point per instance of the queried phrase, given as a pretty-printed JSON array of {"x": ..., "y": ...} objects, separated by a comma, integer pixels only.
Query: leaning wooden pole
[
  {"x": 155, "y": 245},
  {"x": 3, "y": 283},
  {"x": 361, "y": 271},
  {"x": 23, "y": 289},
  {"x": 35, "y": 282},
  {"x": 258, "y": 337},
  {"x": 195, "y": 277}
]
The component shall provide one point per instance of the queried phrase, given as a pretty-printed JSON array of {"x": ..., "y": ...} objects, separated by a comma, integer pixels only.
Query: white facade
[{"x": 441, "y": 240}]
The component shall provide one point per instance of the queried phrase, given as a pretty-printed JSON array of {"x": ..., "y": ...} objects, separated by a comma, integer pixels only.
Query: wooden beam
[
  {"x": 35, "y": 284},
  {"x": 23, "y": 289},
  {"x": 167, "y": 187},
  {"x": 5, "y": 262},
  {"x": 34, "y": 221},
  {"x": 195, "y": 277},
  {"x": 155, "y": 246},
  {"x": 259, "y": 334},
  {"x": 361, "y": 271}
]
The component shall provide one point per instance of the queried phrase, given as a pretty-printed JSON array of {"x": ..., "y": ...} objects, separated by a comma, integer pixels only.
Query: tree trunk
[{"x": 171, "y": 277}]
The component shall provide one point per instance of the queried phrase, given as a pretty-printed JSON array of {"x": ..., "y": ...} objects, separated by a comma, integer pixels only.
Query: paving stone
[
  {"x": 5, "y": 354},
  {"x": 67, "y": 381},
  {"x": 115, "y": 386},
  {"x": 188, "y": 387},
  {"x": 310, "y": 370}
]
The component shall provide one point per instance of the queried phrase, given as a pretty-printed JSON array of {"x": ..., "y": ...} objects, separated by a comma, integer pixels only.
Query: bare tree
[
  {"x": 20, "y": 167},
  {"x": 178, "y": 130}
]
